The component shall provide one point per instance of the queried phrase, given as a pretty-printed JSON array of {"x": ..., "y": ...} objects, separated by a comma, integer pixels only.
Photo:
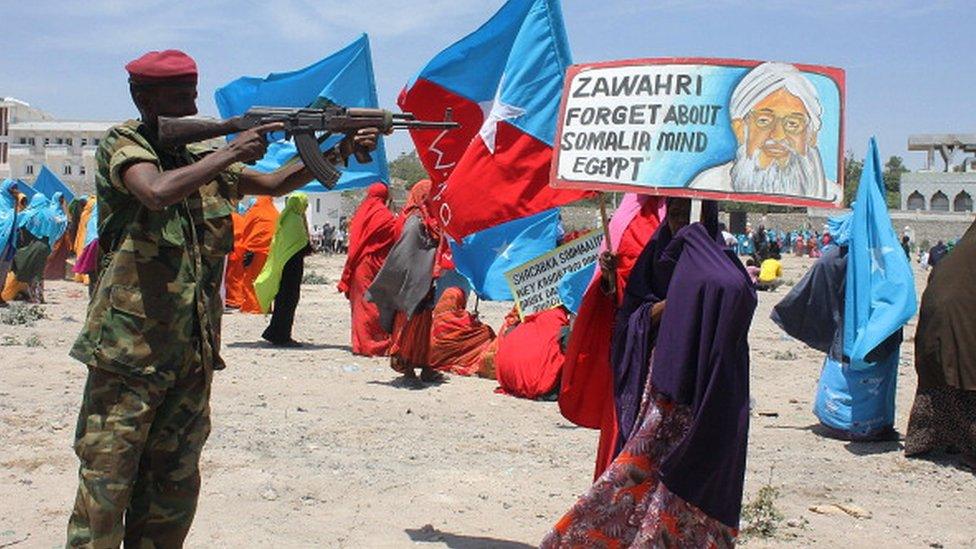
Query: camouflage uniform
[{"x": 151, "y": 342}]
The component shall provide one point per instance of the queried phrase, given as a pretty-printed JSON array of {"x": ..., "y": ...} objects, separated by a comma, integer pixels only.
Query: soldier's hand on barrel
[
  {"x": 250, "y": 145},
  {"x": 363, "y": 140}
]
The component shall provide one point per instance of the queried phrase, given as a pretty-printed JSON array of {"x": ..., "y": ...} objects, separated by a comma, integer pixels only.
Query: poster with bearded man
[{"x": 748, "y": 131}]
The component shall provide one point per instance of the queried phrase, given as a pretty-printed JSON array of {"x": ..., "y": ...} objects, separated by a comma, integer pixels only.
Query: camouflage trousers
[{"x": 139, "y": 443}]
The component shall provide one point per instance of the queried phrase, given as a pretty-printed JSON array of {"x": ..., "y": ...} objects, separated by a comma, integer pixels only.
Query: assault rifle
[{"x": 308, "y": 126}]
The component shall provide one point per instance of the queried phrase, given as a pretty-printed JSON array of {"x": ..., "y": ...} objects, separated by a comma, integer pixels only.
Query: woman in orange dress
[
  {"x": 457, "y": 338},
  {"x": 259, "y": 229}
]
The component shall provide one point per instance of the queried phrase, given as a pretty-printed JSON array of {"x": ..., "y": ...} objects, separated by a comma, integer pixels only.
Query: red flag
[{"x": 504, "y": 83}]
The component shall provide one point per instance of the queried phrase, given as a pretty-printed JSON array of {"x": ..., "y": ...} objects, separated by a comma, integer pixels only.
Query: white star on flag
[
  {"x": 877, "y": 258},
  {"x": 502, "y": 250},
  {"x": 494, "y": 112}
]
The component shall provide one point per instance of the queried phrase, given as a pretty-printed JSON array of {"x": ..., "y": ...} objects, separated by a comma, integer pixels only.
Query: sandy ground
[{"x": 318, "y": 448}]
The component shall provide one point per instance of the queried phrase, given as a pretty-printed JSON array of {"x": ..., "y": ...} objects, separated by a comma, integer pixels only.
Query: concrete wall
[{"x": 924, "y": 226}]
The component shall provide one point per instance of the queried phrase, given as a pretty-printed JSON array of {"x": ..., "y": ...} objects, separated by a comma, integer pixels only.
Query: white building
[
  {"x": 951, "y": 189},
  {"x": 31, "y": 138},
  {"x": 327, "y": 207},
  {"x": 13, "y": 111}
]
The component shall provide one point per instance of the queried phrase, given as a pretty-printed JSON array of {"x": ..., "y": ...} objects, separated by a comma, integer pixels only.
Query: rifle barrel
[{"x": 424, "y": 124}]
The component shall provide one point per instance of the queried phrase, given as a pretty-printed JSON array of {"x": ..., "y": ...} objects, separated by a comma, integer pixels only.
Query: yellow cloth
[
  {"x": 81, "y": 236},
  {"x": 770, "y": 270},
  {"x": 13, "y": 288},
  {"x": 291, "y": 237}
]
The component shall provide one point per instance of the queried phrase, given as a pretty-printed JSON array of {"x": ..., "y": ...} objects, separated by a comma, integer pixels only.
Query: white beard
[{"x": 801, "y": 176}]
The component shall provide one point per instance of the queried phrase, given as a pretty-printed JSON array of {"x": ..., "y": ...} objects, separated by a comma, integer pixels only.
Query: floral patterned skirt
[
  {"x": 944, "y": 417},
  {"x": 629, "y": 506}
]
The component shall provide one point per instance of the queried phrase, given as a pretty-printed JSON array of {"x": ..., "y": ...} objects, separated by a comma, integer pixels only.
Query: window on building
[
  {"x": 67, "y": 169},
  {"x": 47, "y": 141},
  {"x": 939, "y": 202},
  {"x": 68, "y": 141},
  {"x": 81, "y": 170},
  {"x": 963, "y": 202},
  {"x": 29, "y": 169},
  {"x": 915, "y": 201},
  {"x": 30, "y": 140},
  {"x": 22, "y": 141},
  {"x": 84, "y": 141},
  {"x": 318, "y": 205},
  {"x": 95, "y": 141},
  {"x": 58, "y": 141}
]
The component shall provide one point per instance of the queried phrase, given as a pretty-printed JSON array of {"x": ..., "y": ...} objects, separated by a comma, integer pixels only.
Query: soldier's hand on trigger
[{"x": 250, "y": 145}]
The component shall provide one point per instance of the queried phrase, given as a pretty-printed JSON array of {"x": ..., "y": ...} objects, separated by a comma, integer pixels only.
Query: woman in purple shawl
[{"x": 678, "y": 479}]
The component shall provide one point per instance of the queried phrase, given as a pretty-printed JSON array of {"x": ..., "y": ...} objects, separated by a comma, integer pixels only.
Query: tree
[
  {"x": 894, "y": 167},
  {"x": 407, "y": 167},
  {"x": 852, "y": 176}
]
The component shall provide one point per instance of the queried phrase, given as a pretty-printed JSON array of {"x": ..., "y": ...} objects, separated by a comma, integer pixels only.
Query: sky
[{"x": 906, "y": 61}]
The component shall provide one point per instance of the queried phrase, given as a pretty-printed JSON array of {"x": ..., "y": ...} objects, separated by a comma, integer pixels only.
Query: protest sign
[
  {"x": 723, "y": 129},
  {"x": 535, "y": 284}
]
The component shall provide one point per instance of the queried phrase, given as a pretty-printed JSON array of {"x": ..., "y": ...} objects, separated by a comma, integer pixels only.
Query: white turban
[{"x": 767, "y": 78}]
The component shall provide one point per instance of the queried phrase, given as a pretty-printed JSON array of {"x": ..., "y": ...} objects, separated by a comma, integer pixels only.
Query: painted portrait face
[{"x": 777, "y": 126}]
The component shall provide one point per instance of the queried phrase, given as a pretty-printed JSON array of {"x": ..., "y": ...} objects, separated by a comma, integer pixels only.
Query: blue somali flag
[
  {"x": 880, "y": 293},
  {"x": 858, "y": 396},
  {"x": 344, "y": 78},
  {"x": 47, "y": 184},
  {"x": 573, "y": 285},
  {"x": 485, "y": 256},
  {"x": 25, "y": 189}
]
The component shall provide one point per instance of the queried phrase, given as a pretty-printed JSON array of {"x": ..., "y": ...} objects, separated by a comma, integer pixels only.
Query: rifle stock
[{"x": 181, "y": 131}]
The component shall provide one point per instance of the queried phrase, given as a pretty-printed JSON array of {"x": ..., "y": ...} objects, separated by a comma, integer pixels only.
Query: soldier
[{"x": 152, "y": 336}]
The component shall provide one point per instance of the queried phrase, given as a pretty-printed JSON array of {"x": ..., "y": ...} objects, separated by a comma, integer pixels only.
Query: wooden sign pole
[
  {"x": 611, "y": 282},
  {"x": 606, "y": 221}
]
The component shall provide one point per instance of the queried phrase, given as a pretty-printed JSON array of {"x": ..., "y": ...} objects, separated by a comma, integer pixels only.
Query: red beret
[{"x": 163, "y": 67}]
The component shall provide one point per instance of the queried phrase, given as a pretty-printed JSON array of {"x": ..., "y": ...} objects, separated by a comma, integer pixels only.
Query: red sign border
[{"x": 834, "y": 73}]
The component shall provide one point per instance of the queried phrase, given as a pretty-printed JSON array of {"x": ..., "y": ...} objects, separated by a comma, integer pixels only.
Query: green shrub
[
  {"x": 18, "y": 314},
  {"x": 760, "y": 517},
  {"x": 313, "y": 277}
]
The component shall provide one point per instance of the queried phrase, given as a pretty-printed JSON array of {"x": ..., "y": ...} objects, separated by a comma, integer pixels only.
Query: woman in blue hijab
[
  {"x": 38, "y": 227},
  {"x": 57, "y": 262},
  {"x": 8, "y": 228}
]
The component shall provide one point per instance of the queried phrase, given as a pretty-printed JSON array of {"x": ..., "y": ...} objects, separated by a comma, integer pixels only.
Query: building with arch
[{"x": 949, "y": 190}]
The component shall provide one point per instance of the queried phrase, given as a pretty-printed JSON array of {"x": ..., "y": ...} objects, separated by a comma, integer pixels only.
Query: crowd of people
[
  {"x": 39, "y": 238},
  {"x": 656, "y": 355},
  {"x": 620, "y": 363},
  {"x": 331, "y": 239}
]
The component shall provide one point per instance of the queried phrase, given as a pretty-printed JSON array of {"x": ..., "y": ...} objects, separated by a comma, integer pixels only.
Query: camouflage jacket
[{"x": 156, "y": 304}]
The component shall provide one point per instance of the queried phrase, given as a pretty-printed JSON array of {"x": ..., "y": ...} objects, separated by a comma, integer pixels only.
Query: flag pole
[
  {"x": 611, "y": 286},
  {"x": 606, "y": 222}
]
